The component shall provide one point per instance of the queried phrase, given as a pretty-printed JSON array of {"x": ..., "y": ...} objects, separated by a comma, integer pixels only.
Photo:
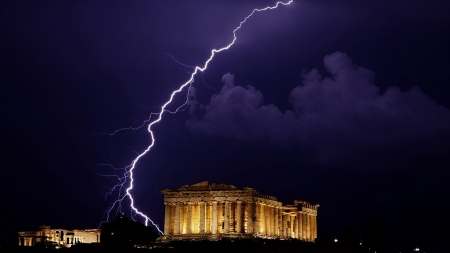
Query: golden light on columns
[{"x": 206, "y": 211}]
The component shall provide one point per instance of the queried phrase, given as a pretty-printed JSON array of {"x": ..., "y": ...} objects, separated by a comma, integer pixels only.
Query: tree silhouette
[
  {"x": 373, "y": 237},
  {"x": 124, "y": 232}
]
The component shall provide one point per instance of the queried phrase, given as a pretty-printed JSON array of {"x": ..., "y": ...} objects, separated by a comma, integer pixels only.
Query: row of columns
[
  {"x": 26, "y": 241},
  {"x": 267, "y": 219},
  {"x": 299, "y": 225},
  {"x": 223, "y": 217},
  {"x": 211, "y": 217}
]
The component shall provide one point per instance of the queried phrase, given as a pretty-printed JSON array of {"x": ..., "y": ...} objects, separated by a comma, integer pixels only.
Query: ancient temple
[
  {"x": 58, "y": 238},
  {"x": 206, "y": 211}
]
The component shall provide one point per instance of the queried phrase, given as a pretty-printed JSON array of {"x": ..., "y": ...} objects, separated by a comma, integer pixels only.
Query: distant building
[
  {"x": 58, "y": 238},
  {"x": 206, "y": 211}
]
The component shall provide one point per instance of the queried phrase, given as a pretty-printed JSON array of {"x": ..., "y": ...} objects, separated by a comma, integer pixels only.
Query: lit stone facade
[
  {"x": 59, "y": 237},
  {"x": 206, "y": 211}
]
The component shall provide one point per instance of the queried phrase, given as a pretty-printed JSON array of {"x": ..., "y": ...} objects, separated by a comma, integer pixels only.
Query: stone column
[
  {"x": 304, "y": 221},
  {"x": 280, "y": 222},
  {"x": 258, "y": 217},
  {"x": 250, "y": 216},
  {"x": 227, "y": 217},
  {"x": 189, "y": 218},
  {"x": 272, "y": 221},
  {"x": 308, "y": 227},
  {"x": 266, "y": 219},
  {"x": 177, "y": 218},
  {"x": 292, "y": 226},
  {"x": 232, "y": 217},
  {"x": 305, "y": 218},
  {"x": 269, "y": 220},
  {"x": 289, "y": 227},
  {"x": 239, "y": 216},
  {"x": 275, "y": 221},
  {"x": 314, "y": 222},
  {"x": 207, "y": 218},
  {"x": 194, "y": 218},
  {"x": 315, "y": 226},
  {"x": 183, "y": 217},
  {"x": 300, "y": 225},
  {"x": 167, "y": 218},
  {"x": 263, "y": 218},
  {"x": 202, "y": 217},
  {"x": 214, "y": 217},
  {"x": 296, "y": 227}
]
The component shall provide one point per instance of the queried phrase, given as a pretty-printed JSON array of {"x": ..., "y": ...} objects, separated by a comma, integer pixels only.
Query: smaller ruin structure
[{"x": 58, "y": 238}]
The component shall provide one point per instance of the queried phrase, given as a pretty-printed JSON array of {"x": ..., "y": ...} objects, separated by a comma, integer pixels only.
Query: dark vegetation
[{"x": 123, "y": 232}]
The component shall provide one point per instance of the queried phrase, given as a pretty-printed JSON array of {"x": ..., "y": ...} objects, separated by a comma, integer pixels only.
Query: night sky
[{"x": 341, "y": 103}]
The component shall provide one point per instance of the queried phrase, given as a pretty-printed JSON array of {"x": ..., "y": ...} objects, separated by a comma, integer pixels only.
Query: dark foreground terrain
[{"x": 248, "y": 246}]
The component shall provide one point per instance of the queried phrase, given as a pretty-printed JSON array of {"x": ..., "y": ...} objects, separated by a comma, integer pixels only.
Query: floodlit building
[
  {"x": 58, "y": 238},
  {"x": 206, "y": 211}
]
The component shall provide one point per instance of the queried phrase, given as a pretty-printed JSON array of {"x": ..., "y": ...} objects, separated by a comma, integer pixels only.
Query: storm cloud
[{"x": 343, "y": 111}]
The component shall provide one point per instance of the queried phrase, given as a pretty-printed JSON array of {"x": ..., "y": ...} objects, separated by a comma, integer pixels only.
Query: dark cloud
[
  {"x": 344, "y": 112},
  {"x": 239, "y": 113}
]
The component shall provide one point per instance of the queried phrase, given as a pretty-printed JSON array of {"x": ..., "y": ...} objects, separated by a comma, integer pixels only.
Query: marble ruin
[
  {"x": 58, "y": 238},
  {"x": 206, "y": 211}
]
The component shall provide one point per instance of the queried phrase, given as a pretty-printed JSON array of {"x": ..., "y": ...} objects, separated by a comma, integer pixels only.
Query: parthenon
[{"x": 206, "y": 211}]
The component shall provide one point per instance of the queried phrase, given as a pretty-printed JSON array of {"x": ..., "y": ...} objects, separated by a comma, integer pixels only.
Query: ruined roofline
[
  {"x": 206, "y": 186},
  {"x": 46, "y": 227},
  {"x": 306, "y": 204}
]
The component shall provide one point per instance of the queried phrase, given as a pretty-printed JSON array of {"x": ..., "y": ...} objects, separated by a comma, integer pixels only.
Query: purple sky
[{"x": 341, "y": 103}]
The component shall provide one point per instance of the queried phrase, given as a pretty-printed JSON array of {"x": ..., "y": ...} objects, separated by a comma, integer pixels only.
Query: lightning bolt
[{"x": 129, "y": 170}]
